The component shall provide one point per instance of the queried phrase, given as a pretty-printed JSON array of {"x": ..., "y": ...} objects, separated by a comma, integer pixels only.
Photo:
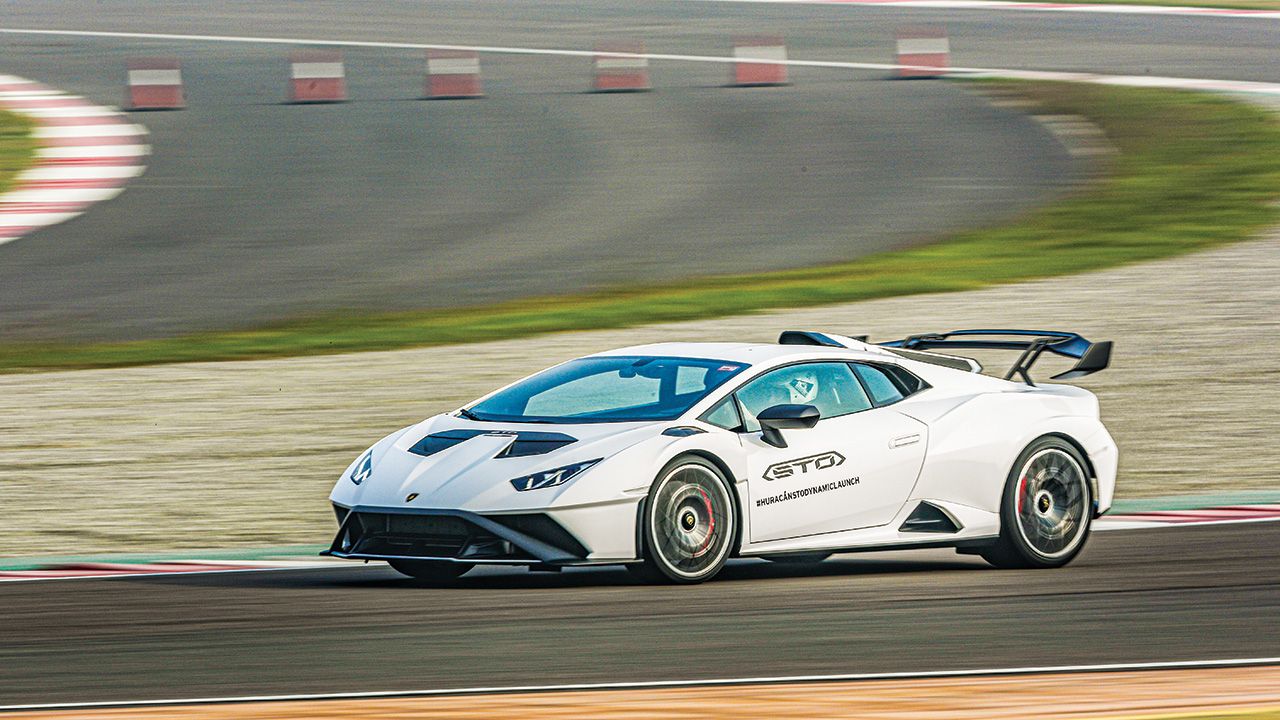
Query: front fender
[{"x": 602, "y": 510}]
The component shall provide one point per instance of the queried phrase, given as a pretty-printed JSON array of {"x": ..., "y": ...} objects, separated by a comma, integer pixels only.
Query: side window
[
  {"x": 882, "y": 389},
  {"x": 723, "y": 414},
  {"x": 909, "y": 384},
  {"x": 830, "y": 387}
]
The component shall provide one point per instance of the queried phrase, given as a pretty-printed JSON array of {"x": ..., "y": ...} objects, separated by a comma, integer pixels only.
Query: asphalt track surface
[
  {"x": 252, "y": 210},
  {"x": 1133, "y": 596}
]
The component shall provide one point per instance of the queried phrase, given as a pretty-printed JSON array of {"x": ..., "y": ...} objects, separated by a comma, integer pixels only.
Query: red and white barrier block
[
  {"x": 155, "y": 84},
  {"x": 619, "y": 70},
  {"x": 86, "y": 154},
  {"x": 923, "y": 52},
  {"x": 453, "y": 74},
  {"x": 747, "y": 73},
  {"x": 317, "y": 76}
]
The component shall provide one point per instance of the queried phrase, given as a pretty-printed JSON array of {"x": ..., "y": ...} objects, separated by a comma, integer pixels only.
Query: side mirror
[{"x": 774, "y": 420}]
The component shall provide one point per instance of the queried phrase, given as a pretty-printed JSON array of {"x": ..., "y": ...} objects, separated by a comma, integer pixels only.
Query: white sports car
[{"x": 672, "y": 458}]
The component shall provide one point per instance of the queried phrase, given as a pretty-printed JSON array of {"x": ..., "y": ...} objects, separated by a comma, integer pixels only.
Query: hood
[{"x": 450, "y": 462}]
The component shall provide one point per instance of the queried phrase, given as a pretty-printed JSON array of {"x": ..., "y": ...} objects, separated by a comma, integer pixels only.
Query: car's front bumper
[{"x": 381, "y": 533}]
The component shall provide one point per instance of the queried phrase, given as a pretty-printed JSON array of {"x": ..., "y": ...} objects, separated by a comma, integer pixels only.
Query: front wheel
[
  {"x": 431, "y": 570},
  {"x": 689, "y": 523},
  {"x": 1046, "y": 510}
]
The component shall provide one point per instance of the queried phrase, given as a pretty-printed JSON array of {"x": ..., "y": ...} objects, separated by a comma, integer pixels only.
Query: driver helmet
[{"x": 803, "y": 387}]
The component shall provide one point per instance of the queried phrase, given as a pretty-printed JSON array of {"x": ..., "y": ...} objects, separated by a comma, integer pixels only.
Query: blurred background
[{"x": 306, "y": 224}]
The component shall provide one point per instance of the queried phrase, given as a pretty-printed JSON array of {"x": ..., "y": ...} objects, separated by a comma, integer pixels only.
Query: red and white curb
[
  {"x": 1000, "y": 5},
  {"x": 102, "y": 570},
  {"x": 1200, "y": 516},
  {"x": 86, "y": 154}
]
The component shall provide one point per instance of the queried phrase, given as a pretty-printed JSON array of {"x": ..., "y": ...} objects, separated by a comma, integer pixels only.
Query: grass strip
[
  {"x": 17, "y": 147},
  {"x": 1192, "y": 170}
]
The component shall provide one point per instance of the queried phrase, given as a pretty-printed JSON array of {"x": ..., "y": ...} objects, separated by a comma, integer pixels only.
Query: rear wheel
[
  {"x": 1047, "y": 508},
  {"x": 689, "y": 523},
  {"x": 431, "y": 570}
]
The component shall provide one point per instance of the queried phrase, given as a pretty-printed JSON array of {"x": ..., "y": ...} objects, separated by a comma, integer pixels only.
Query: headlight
[
  {"x": 551, "y": 478},
  {"x": 363, "y": 467}
]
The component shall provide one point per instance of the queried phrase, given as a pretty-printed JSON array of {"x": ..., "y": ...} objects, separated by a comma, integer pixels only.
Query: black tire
[
  {"x": 1046, "y": 510},
  {"x": 689, "y": 523},
  {"x": 812, "y": 558},
  {"x": 431, "y": 570}
]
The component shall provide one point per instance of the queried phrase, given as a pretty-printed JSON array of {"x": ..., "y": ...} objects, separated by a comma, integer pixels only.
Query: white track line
[
  {"x": 717, "y": 682},
  {"x": 1006, "y": 5},
  {"x": 1128, "y": 80}
]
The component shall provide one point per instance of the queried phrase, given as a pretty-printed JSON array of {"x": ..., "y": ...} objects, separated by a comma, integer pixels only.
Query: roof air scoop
[{"x": 808, "y": 337}]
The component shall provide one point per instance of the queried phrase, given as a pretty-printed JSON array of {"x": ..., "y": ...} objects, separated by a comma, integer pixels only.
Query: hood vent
[{"x": 526, "y": 444}]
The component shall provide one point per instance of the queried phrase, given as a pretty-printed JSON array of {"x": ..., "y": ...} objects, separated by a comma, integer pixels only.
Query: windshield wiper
[{"x": 469, "y": 415}]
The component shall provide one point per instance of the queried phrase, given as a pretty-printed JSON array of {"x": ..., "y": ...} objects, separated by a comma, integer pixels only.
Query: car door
[{"x": 855, "y": 468}]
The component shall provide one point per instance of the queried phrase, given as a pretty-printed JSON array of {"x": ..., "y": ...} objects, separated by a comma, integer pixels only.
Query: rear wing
[{"x": 1090, "y": 357}]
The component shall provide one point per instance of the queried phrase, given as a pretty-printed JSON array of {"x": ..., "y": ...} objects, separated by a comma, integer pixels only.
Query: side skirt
[{"x": 960, "y": 545}]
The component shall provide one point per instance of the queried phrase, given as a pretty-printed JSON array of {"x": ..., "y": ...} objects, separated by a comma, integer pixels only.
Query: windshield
[{"x": 608, "y": 389}]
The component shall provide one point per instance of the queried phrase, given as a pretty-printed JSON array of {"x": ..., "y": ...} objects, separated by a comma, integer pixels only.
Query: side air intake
[{"x": 929, "y": 518}]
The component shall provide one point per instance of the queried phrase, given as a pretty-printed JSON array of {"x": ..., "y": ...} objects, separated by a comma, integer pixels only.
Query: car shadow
[{"x": 744, "y": 570}]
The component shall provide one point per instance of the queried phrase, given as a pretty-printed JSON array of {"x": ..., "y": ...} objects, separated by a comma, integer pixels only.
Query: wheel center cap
[
  {"x": 1044, "y": 503},
  {"x": 688, "y": 521}
]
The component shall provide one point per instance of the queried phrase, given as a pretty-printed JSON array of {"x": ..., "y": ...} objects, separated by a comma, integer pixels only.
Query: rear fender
[{"x": 972, "y": 449}]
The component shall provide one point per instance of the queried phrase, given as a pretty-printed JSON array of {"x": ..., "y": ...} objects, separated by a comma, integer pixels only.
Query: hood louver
[{"x": 526, "y": 443}]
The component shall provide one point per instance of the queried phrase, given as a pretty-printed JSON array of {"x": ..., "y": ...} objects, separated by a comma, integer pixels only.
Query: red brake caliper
[{"x": 711, "y": 518}]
